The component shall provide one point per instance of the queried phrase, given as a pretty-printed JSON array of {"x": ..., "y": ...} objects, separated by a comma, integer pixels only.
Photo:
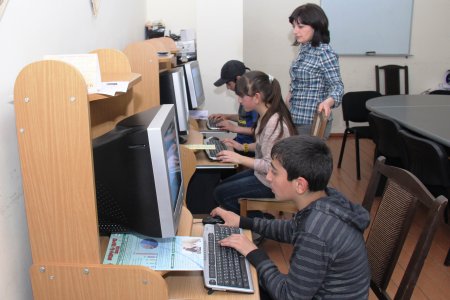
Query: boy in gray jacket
[{"x": 329, "y": 259}]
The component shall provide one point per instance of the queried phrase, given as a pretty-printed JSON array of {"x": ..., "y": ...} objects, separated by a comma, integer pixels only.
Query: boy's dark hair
[
  {"x": 314, "y": 16},
  {"x": 305, "y": 156}
]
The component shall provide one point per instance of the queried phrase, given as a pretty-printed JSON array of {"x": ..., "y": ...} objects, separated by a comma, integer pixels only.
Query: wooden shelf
[
  {"x": 132, "y": 78},
  {"x": 56, "y": 120}
]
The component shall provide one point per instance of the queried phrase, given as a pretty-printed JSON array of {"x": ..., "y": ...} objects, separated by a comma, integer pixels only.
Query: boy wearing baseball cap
[{"x": 230, "y": 72}]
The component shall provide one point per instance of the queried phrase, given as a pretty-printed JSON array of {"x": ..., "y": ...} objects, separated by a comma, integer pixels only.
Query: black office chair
[
  {"x": 429, "y": 162},
  {"x": 354, "y": 110},
  {"x": 386, "y": 139},
  {"x": 392, "y": 79}
]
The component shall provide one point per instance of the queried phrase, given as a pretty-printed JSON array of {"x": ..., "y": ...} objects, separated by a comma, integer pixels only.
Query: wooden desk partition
[
  {"x": 144, "y": 59},
  {"x": 56, "y": 120}
]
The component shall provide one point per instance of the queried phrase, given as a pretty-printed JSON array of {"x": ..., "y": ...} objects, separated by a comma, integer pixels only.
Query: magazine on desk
[{"x": 181, "y": 253}]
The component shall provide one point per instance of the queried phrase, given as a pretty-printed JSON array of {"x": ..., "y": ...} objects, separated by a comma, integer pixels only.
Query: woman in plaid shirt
[{"x": 316, "y": 82}]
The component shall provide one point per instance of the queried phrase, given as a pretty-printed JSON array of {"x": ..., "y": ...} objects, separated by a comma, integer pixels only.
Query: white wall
[
  {"x": 266, "y": 38},
  {"x": 30, "y": 29},
  {"x": 218, "y": 26}
]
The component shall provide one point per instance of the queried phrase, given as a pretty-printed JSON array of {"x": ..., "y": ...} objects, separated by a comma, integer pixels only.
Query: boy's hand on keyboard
[
  {"x": 239, "y": 242},
  {"x": 217, "y": 116},
  {"x": 227, "y": 125},
  {"x": 231, "y": 219},
  {"x": 228, "y": 156}
]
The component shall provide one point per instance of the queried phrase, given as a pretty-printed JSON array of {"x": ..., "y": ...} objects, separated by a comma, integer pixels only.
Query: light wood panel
[
  {"x": 52, "y": 118},
  {"x": 189, "y": 164},
  {"x": 144, "y": 60},
  {"x": 96, "y": 282}
]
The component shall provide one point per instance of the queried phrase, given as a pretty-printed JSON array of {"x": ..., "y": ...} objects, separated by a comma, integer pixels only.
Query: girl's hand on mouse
[{"x": 230, "y": 218}]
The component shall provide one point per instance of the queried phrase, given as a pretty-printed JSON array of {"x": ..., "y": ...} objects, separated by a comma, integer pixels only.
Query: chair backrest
[
  {"x": 385, "y": 136},
  {"x": 354, "y": 105},
  {"x": 392, "y": 79},
  {"x": 188, "y": 167},
  {"x": 426, "y": 159},
  {"x": 391, "y": 224},
  {"x": 319, "y": 124}
]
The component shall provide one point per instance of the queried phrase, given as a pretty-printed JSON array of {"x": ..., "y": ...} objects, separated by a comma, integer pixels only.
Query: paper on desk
[
  {"x": 182, "y": 253},
  {"x": 199, "y": 114},
  {"x": 86, "y": 63},
  {"x": 200, "y": 146},
  {"x": 109, "y": 88}
]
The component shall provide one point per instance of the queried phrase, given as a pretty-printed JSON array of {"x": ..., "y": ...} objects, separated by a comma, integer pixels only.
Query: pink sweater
[{"x": 264, "y": 144}]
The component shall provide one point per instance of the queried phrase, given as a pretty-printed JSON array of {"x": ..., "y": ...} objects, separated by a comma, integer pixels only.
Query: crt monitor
[
  {"x": 138, "y": 177},
  {"x": 173, "y": 91},
  {"x": 194, "y": 85}
]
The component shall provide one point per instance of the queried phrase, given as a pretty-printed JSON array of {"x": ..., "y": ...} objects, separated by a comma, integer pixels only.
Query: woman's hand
[{"x": 326, "y": 105}]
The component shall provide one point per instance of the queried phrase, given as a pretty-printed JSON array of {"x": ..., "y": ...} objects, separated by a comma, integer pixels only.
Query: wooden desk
[
  {"x": 189, "y": 284},
  {"x": 203, "y": 162},
  {"x": 424, "y": 114}
]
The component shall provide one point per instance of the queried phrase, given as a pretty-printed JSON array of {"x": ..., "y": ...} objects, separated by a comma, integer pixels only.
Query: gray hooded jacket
[{"x": 329, "y": 259}]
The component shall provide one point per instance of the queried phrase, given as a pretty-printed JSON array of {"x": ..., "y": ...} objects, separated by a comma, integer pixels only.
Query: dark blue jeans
[{"x": 240, "y": 185}]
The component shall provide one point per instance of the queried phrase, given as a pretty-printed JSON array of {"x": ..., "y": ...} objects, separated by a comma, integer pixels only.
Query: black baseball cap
[{"x": 230, "y": 70}]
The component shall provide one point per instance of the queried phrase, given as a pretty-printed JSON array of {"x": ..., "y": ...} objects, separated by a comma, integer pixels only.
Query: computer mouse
[{"x": 213, "y": 220}]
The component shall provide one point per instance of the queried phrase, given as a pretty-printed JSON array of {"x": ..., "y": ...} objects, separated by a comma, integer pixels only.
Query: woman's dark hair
[
  {"x": 314, "y": 16},
  {"x": 254, "y": 82}
]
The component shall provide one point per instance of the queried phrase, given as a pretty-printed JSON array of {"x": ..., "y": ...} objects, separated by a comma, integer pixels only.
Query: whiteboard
[{"x": 369, "y": 27}]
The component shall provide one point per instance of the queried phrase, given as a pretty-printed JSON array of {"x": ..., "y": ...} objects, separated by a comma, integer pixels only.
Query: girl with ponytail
[{"x": 261, "y": 92}]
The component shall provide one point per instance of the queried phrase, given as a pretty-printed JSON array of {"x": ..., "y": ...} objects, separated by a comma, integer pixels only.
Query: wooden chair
[
  {"x": 272, "y": 204},
  {"x": 391, "y": 223},
  {"x": 392, "y": 79},
  {"x": 319, "y": 124}
]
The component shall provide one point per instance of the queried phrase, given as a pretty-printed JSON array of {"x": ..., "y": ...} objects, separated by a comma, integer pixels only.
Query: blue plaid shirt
[{"x": 315, "y": 76}]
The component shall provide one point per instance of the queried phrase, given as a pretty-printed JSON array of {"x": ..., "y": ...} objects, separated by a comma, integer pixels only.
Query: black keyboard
[
  {"x": 212, "y": 153},
  {"x": 211, "y": 123},
  {"x": 225, "y": 268}
]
